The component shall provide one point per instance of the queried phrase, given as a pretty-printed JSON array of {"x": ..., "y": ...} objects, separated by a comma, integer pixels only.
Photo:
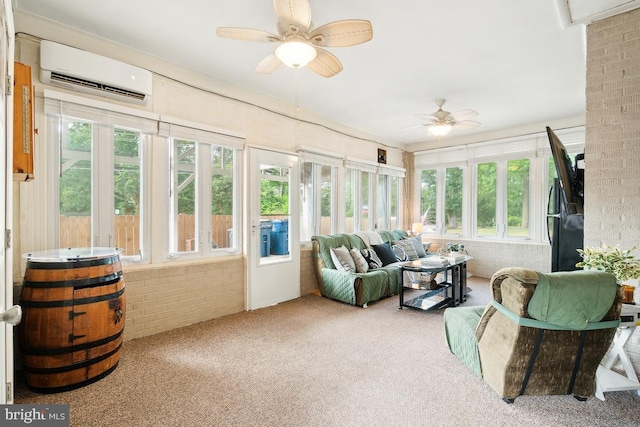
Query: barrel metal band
[
  {"x": 73, "y": 366},
  {"x": 77, "y": 283},
  {"x": 71, "y": 302},
  {"x": 70, "y": 349},
  {"x": 73, "y": 386}
]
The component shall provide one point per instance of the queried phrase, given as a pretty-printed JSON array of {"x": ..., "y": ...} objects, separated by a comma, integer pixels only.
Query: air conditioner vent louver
[
  {"x": 83, "y": 71},
  {"x": 97, "y": 86}
]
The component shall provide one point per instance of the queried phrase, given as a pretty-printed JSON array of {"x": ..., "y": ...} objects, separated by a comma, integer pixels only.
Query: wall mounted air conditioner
[{"x": 87, "y": 72}]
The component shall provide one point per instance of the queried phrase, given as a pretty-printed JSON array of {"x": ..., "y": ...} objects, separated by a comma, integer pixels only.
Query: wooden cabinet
[{"x": 23, "y": 119}]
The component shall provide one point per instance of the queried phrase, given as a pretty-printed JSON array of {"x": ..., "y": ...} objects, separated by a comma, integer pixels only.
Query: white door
[
  {"x": 9, "y": 316},
  {"x": 273, "y": 242}
]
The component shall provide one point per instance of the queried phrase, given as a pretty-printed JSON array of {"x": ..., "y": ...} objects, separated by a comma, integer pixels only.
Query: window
[
  {"x": 453, "y": 201},
  {"x": 486, "y": 197},
  {"x": 495, "y": 189},
  {"x": 394, "y": 208},
  {"x": 99, "y": 185},
  {"x": 388, "y": 208},
  {"x": 441, "y": 200},
  {"x": 183, "y": 197},
  {"x": 351, "y": 210},
  {"x": 382, "y": 203},
  {"x": 327, "y": 199},
  {"x": 428, "y": 194},
  {"x": 365, "y": 199},
  {"x": 202, "y": 206},
  {"x": 518, "y": 198},
  {"x": 202, "y": 197},
  {"x": 359, "y": 196},
  {"x": 508, "y": 215},
  {"x": 318, "y": 194}
]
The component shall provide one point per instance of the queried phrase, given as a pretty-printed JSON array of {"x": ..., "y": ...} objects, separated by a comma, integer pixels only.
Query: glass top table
[{"x": 421, "y": 294}]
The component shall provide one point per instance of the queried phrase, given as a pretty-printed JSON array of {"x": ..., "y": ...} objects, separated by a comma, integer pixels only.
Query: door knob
[{"x": 13, "y": 316}]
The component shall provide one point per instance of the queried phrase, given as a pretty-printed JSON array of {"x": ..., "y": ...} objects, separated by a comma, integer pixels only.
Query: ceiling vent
[{"x": 87, "y": 72}]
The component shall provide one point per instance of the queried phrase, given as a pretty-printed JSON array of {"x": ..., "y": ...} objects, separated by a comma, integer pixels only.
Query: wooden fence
[{"x": 75, "y": 232}]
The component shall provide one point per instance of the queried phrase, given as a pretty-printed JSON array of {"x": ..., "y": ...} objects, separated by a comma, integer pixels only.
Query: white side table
[{"x": 606, "y": 378}]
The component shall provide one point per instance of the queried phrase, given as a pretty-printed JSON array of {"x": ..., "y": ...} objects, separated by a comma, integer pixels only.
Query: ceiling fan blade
[
  {"x": 467, "y": 124},
  {"x": 325, "y": 64},
  {"x": 417, "y": 126},
  {"x": 268, "y": 65},
  {"x": 342, "y": 33},
  {"x": 247, "y": 34},
  {"x": 293, "y": 15},
  {"x": 461, "y": 115},
  {"x": 427, "y": 117}
]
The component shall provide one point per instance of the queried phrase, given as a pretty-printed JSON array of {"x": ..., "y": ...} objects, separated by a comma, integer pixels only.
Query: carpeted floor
[{"x": 315, "y": 362}]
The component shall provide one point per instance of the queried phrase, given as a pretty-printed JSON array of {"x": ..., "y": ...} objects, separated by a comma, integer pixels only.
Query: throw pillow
[
  {"x": 362, "y": 266},
  {"x": 417, "y": 244},
  {"x": 385, "y": 253},
  {"x": 409, "y": 249},
  {"x": 342, "y": 259},
  {"x": 372, "y": 258},
  {"x": 399, "y": 253}
]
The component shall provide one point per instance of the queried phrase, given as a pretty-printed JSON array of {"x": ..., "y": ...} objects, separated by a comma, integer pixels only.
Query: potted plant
[
  {"x": 455, "y": 249},
  {"x": 620, "y": 263}
]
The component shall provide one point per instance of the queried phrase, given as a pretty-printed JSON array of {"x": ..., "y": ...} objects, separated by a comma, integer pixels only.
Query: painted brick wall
[
  {"x": 612, "y": 148},
  {"x": 491, "y": 256},
  {"x": 175, "y": 295},
  {"x": 308, "y": 279},
  {"x": 161, "y": 298}
]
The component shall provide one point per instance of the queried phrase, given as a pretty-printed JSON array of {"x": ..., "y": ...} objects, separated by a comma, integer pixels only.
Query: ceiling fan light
[
  {"x": 296, "y": 54},
  {"x": 440, "y": 129}
]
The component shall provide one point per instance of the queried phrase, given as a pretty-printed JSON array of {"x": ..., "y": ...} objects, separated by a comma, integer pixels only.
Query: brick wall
[
  {"x": 612, "y": 148},
  {"x": 308, "y": 280},
  {"x": 161, "y": 298},
  {"x": 491, "y": 256}
]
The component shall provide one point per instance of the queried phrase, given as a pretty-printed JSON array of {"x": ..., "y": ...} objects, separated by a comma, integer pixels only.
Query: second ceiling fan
[
  {"x": 441, "y": 122},
  {"x": 300, "y": 44}
]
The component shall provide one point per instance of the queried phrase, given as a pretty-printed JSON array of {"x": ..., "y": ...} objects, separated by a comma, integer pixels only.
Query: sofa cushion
[
  {"x": 385, "y": 253},
  {"x": 325, "y": 243},
  {"x": 362, "y": 266},
  {"x": 419, "y": 247},
  {"x": 401, "y": 255},
  {"x": 342, "y": 259},
  {"x": 408, "y": 248},
  {"x": 369, "y": 238},
  {"x": 372, "y": 258}
]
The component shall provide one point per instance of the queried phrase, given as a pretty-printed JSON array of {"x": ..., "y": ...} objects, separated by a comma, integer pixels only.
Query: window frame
[
  {"x": 205, "y": 244},
  {"x": 60, "y": 111},
  {"x": 534, "y": 147}
]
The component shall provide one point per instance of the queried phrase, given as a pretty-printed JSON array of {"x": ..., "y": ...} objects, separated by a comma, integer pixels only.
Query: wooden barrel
[{"x": 73, "y": 306}]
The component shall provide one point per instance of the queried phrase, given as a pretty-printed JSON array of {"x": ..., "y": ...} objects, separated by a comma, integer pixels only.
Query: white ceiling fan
[
  {"x": 300, "y": 44},
  {"x": 441, "y": 122}
]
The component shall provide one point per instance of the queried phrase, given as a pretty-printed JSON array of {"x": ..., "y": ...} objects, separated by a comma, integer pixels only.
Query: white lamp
[
  {"x": 416, "y": 228},
  {"x": 439, "y": 129},
  {"x": 296, "y": 53}
]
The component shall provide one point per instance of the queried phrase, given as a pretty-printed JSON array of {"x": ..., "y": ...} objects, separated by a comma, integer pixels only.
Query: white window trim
[{"x": 534, "y": 147}]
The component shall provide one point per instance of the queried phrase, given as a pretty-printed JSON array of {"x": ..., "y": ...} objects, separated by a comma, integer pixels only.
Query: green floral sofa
[{"x": 354, "y": 287}]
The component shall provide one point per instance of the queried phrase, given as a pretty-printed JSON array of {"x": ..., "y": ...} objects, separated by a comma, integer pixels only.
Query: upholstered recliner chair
[{"x": 543, "y": 334}]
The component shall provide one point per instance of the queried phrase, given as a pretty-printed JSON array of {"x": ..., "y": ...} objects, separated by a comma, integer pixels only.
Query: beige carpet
[{"x": 315, "y": 362}]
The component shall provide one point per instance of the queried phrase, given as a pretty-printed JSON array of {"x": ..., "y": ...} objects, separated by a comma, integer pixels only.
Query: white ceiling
[{"x": 514, "y": 62}]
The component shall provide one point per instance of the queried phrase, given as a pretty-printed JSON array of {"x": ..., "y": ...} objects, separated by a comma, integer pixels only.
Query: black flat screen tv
[{"x": 568, "y": 175}]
